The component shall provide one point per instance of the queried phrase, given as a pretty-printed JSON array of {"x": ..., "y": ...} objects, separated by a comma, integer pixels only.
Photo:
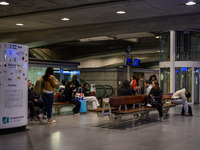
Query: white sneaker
[
  {"x": 161, "y": 119},
  {"x": 148, "y": 105}
]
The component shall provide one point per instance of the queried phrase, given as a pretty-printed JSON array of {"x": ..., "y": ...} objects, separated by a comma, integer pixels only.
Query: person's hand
[
  {"x": 74, "y": 90},
  {"x": 152, "y": 96},
  {"x": 88, "y": 92},
  {"x": 35, "y": 100}
]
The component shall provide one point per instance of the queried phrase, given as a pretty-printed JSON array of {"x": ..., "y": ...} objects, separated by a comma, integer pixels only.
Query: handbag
[{"x": 154, "y": 103}]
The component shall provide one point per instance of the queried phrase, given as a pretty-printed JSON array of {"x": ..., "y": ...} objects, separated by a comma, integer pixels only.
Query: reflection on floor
[{"x": 89, "y": 132}]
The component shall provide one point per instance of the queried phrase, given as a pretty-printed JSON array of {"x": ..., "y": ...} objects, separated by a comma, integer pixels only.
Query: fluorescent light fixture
[
  {"x": 158, "y": 51},
  {"x": 157, "y": 36},
  {"x": 65, "y": 19},
  {"x": 120, "y": 12},
  {"x": 4, "y": 3},
  {"x": 190, "y": 3},
  {"x": 19, "y": 24},
  {"x": 99, "y": 38}
]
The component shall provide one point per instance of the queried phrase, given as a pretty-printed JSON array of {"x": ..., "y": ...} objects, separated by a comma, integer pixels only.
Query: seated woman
[
  {"x": 89, "y": 98},
  {"x": 156, "y": 96},
  {"x": 69, "y": 97}
]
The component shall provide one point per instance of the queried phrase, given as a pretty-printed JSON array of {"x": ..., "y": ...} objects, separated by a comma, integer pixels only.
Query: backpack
[
  {"x": 189, "y": 111},
  {"x": 38, "y": 87}
]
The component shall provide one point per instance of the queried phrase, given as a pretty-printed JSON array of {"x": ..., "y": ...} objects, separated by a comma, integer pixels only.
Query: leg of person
[
  {"x": 183, "y": 102},
  {"x": 48, "y": 99},
  {"x": 77, "y": 104},
  {"x": 93, "y": 100},
  {"x": 32, "y": 110},
  {"x": 159, "y": 108}
]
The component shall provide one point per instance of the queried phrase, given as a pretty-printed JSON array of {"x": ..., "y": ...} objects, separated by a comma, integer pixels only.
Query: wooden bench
[{"x": 114, "y": 108}]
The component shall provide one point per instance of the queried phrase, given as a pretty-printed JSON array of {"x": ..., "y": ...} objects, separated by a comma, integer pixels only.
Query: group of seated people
[
  {"x": 154, "y": 96},
  {"x": 68, "y": 95}
]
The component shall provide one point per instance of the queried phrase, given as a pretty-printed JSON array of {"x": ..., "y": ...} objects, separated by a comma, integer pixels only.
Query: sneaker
[
  {"x": 51, "y": 121},
  {"x": 148, "y": 105},
  {"x": 161, "y": 119}
]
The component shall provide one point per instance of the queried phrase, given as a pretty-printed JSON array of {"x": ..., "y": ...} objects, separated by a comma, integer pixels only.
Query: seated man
[
  {"x": 32, "y": 99},
  {"x": 148, "y": 85},
  {"x": 180, "y": 97}
]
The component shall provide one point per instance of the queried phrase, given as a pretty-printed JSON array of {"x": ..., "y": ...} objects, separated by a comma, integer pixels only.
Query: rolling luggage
[{"x": 83, "y": 108}]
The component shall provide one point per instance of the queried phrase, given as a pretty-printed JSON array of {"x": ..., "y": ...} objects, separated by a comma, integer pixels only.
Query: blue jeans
[{"x": 48, "y": 100}]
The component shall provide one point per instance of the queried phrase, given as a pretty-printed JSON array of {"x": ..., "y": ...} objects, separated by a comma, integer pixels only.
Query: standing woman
[
  {"x": 75, "y": 82},
  {"x": 49, "y": 85},
  {"x": 134, "y": 82},
  {"x": 156, "y": 95}
]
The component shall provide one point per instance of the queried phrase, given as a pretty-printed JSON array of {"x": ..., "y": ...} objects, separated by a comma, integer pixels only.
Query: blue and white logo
[{"x": 5, "y": 120}]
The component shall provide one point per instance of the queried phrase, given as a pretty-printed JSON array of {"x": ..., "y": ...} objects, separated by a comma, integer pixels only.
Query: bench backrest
[{"x": 125, "y": 100}]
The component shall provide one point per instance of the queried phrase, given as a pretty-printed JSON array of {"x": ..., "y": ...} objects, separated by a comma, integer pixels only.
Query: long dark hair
[
  {"x": 126, "y": 83},
  {"x": 156, "y": 87},
  {"x": 48, "y": 72},
  {"x": 85, "y": 84},
  {"x": 74, "y": 78},
  {"x": 68, "y": 84}
]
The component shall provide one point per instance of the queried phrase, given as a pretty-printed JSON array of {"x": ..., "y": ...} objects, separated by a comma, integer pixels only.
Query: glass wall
[
  {"x": 165, "y": 80},
  {"x": 165, "y": 46},
  {"x": 196, "y": 85},
  {"x": 187, "y": 46},
  {"x": 183, "y": 79}
]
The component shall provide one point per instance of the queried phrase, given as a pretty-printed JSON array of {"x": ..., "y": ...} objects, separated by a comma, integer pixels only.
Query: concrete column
[
  {"x": 128, "y": 73},
  {"x": 172, "y": 60}
]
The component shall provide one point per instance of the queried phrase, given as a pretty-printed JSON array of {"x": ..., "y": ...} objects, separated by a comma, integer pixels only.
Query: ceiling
[{"x": 94, "y": 28}]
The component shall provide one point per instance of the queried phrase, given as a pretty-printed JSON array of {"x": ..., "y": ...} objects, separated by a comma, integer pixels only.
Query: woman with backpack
[{"x": 49, "y": 84}]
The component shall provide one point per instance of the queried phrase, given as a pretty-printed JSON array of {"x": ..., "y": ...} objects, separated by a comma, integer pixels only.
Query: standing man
[{"x": 180, "y": 97}]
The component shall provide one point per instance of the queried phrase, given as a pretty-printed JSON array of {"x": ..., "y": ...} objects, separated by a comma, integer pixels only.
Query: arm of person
[{"x": 53, "y": 81}]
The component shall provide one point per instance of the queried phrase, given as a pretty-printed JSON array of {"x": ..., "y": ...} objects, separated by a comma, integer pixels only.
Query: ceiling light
[
  {"x": 4, "y": 3},
  {"x": 120, "y": 12},
  {"x": 65, "y": 19},
  {"x": 157, "y": 36},
  {"x": 19, "y": 24},
  {"x": 158, "y": 51},
  {"x": 190, "y": 3}
]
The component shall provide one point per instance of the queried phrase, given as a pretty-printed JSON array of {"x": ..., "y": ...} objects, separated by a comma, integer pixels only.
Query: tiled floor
[{"x": 89, "y": 132}]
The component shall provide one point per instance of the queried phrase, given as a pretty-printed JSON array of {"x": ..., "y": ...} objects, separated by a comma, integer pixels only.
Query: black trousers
[
  {"x": 77, "y": 104},
  {"x": 159, "y": 108},
  {"x": 32, "y": 109},
  {"x": 39, "y": 104}
]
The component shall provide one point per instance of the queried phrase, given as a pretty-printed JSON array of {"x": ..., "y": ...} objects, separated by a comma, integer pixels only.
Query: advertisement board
[{"x": 13, "y": 85}]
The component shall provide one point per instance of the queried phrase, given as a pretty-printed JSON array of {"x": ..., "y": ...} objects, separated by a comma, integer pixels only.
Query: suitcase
[{"x": 83, "y": 108}]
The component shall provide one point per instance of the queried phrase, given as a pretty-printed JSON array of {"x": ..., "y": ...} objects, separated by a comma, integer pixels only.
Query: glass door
[{"x": 196, "y": 85}]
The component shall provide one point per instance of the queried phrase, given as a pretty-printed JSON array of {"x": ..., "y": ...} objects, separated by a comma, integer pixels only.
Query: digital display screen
[
  {"x": 136, "y": 62},
  {"x": 129, "y": 61}
]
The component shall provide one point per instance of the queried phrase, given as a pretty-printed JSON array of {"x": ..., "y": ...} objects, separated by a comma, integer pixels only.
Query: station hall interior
[{"x": 93, "y": 39}]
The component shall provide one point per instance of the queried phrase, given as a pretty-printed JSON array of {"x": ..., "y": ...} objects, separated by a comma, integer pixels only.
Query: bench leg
[
  {"x": 58, "y": 110},
  {"x": 115, "y": 120},
  {"x": 166, "y": 112}
]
